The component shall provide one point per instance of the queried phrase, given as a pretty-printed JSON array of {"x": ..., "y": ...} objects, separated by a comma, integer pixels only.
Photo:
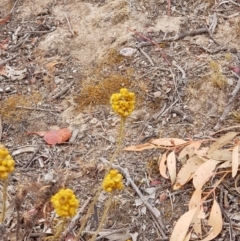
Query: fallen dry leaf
[
  {"x": 223, "y": 155},
  {"x": 168, "y": 142},
  {"x": 235, "y": 69},
  {"x": 235, "y": 160},
  {"x": 4, "y": 20},
  {"x": 171, "y": 164},
  {"x": 215, "y": 220},
  {"x": 162, "y": 166},
  {"x": 222, "y": 141},
  {"x": 190, "y": 149},
  {"x": 195, "y": 202},
  {"x": 50, "y": 66},
  {"x": 187, "y": 171},
  {"x": 140, "y": 147},
  {"x": 181, "y": 228},
  {"x": 54, "y": 137},
  {"x": 204, "y": 172},
  {"x": 188, "y": 236}
]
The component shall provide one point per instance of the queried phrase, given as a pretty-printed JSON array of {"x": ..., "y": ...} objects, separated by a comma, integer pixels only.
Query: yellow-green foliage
[
  {"x": 217, "y": 77},
  {"x": 113, "y": 181},
  {"x": 65, "y": 203},
  {"x": 6, "y": 162}
]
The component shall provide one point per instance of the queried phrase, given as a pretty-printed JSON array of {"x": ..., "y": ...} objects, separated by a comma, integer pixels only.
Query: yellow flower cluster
[
  {"x": 123, "y": 103},
  {"x": 112, "y": 181},
  {"x": 65, "y": 203},
  {"x": 6, "y": 162}
]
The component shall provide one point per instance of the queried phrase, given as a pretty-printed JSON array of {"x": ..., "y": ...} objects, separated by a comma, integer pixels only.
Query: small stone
[
  {"x": 127, "y": 52},
  {"x": 8, "y": 89},
  {"x": 93, "y": 121}
]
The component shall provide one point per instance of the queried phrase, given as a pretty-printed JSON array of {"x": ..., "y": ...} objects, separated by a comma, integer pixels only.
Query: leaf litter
[{"x": 204, "y": 160}]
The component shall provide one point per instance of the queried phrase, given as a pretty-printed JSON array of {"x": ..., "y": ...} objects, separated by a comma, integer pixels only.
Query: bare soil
[{"x": 65, "y": 61}]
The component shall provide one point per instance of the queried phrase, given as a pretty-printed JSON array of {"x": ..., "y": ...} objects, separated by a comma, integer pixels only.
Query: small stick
[
  {"x": 146, "y": 55},
  {"x": 76, "y": 218},
  {"x": 32, "y": 157},
  {"x": 69, "y": 25},
  {"x": 146, "y": 203},
  {"x": 63, "y": 90},
  {"x": 14, "y": 6},
  {"x": 187, "y": 33},
  {"x": 3, "y": 62},
  {"x": 228, "y": 106},
  {"x": 153, "y": 42},
  {"x": 151, "y": 71},
  {"x": 32, "y": 108},
  {"x": 169, "y": 7}
]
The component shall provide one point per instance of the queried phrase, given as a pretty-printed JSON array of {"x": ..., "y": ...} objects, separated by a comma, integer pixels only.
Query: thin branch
[{"x": 154, "y": 43}]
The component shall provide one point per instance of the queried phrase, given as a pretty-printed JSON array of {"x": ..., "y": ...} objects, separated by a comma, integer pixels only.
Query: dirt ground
[{"x": 60, "y": 61}]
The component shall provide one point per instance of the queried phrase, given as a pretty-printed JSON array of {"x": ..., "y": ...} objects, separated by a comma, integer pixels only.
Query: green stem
[
  {"x": 5, "y": 184},
  {"x": 105, "y": 212}
]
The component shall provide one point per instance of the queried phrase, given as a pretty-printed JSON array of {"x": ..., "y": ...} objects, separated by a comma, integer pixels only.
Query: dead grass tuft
[
  {"x": 217, "y": 78},
  {"x": 9, "y": 110}
]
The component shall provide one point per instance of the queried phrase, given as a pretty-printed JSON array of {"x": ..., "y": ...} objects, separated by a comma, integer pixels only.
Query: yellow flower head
[
  {"x": 6, "y": 162},
  {"x": 112, "y": 181},
  {"x": 123, "y": 103},
  {"x": 65, "y": 203}
]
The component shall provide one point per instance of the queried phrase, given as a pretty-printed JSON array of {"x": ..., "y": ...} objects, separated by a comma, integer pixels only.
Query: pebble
[
  {"x": 8, "y": 89},
  {"x": 93, "y": 121},
  {"x": 127, "y": 52}
]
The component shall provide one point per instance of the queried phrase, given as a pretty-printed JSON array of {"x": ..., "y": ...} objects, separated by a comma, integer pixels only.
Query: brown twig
[
  {"x": 169, "y": 7},
  {"x": 154, "y": 43},
  {"x": 63, "y": 91},
  {"x": 147, "y": 56},
  {"x": 76, "y": 218},
  {"x": 228, "y": 106},
  {"x": 187, "y": 33}
]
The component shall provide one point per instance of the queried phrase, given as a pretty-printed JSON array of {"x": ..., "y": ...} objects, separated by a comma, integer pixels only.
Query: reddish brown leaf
[
  {"x": 54, "y": 137},
  {"x": 4, "y": 20},
  {"x": 235, "y": 69}
]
